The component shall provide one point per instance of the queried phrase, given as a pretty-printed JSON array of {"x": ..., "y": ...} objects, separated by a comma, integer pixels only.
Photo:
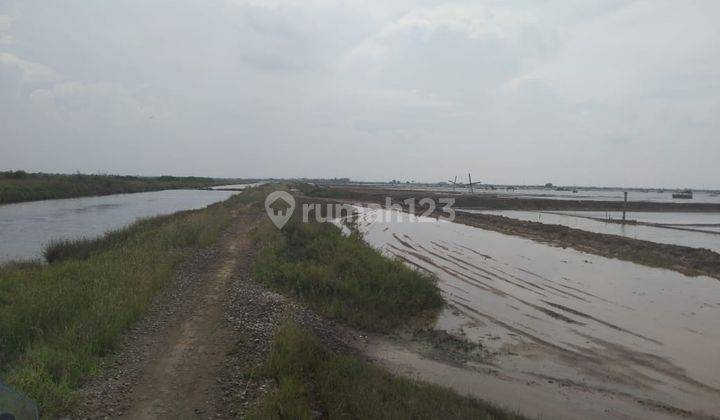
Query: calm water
[
  {"x": 579, "y": 220},
  {"x": 550, "y": 312},
  {"x": 25, "y": 228},
  {"x": 582, "y": 194}
]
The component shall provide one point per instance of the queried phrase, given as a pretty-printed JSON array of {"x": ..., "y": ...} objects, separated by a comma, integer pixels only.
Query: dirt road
[
  {"x": 169, "y": 364},
  {"x": 196, "y": 355},
  {"x": 181, "y": 376}
]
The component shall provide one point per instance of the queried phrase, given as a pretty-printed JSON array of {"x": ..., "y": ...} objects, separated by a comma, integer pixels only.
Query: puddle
[{"x": 553, "y": 317}]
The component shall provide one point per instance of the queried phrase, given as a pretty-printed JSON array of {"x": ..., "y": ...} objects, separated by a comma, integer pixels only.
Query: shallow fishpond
[
  {"x": 604, "y": 337},
  {"x": 581, "y": 194},
  {"x": 696, "y": 230}
]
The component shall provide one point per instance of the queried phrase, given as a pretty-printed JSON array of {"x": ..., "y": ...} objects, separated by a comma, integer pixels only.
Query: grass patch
[
  {"x": 17, "y": 186},
  {"x": 342, "y": 277},
  {"x": 313, "y": 379},
  {"x": 83, "y": 248},
  {"x": 59, "y": 321}
]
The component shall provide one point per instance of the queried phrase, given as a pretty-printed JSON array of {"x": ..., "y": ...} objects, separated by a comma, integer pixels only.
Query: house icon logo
[{"x": 279, "y": 206}]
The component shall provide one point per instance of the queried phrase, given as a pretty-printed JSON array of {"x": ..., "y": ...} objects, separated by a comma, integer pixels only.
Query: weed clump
[{"x": 342, "y": 277}]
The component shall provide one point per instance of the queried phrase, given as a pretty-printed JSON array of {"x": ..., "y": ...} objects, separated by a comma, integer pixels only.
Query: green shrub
[{"x": 342, "y": 277}]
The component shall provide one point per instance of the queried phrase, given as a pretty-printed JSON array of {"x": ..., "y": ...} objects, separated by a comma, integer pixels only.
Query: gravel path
[{"x": 196, "y": 355}]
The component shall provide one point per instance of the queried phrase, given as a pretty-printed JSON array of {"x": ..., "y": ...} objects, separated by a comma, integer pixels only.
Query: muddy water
[
  {"x": 561, "y": 322},
  {"x": 698, "y": 230}
]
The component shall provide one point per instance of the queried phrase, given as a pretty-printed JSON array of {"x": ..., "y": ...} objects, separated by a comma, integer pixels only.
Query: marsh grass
[
  {"x": 342, "y": 277},
  {"x": 59, "y": 321},
  {"x": 311, "y": 378},
  {"x": 83, "y": 248}
]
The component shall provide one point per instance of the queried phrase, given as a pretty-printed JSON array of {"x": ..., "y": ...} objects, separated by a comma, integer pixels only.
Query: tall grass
[
  {"x": 83, "y": 248},
  {"x": 342, "y": 277},
  {"x": 58, "y": 321},
  {"x": 310, "y": 378}
]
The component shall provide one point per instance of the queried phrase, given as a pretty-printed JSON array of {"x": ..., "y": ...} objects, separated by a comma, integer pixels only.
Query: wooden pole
[
  {"x": 624, "y": 206},
  {"x": 470, "y": 182}
]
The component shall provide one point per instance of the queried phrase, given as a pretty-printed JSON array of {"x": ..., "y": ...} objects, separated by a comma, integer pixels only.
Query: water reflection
[
  {"x": 548, "y": 313},
  {"x": 26, "y": 227}
]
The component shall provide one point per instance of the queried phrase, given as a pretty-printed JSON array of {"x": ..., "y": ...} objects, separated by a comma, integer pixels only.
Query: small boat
[{"x": 684, "y": 194}]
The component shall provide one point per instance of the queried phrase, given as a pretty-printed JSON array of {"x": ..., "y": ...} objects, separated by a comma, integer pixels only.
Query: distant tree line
[{"x": 18, "y": 186}]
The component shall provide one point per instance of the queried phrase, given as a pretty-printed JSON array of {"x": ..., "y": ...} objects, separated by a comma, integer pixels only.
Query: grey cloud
[{"x": 586, "y": 92}]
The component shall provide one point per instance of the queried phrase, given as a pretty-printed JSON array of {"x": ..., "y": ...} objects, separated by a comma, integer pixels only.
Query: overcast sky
[{"x": 596, "y": 92}]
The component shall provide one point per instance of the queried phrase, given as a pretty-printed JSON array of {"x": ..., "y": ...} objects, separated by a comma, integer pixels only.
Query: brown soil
[
  {"x": 180, "y": 378},
  {"x": 168, "y": 365}
]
